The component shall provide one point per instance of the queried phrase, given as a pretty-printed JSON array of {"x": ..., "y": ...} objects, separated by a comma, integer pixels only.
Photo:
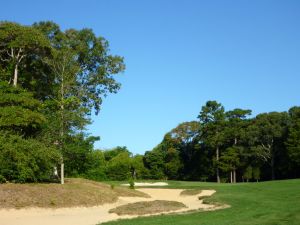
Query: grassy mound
[
  {"x": 191, "y": 192},
  {"x": 75, "y": 192},
  {"x": 143, "y": 208}
]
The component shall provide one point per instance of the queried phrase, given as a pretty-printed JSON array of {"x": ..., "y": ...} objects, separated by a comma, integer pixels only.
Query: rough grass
[
  {"x": 74, "y": 193},
  {"x": 147, "y": 207},
  {"x": 264, "y": 203},
  {"x": 191, "y": 192}
]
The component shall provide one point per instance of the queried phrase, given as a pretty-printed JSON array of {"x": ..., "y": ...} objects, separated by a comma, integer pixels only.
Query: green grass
[{"x": 265, "y": 203}]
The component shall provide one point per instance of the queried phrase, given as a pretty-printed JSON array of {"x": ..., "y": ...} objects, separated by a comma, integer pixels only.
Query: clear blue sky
[{"x": 179, "y": 54}]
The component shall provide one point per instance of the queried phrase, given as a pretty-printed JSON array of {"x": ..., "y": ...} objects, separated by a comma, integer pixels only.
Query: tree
[
  {"x": 95, "y": 166},
  {"x": 293, "y": 140},
  {"x": 77, "y": 154},
  {"x": 119, "y": 167},
  {"x": 266, "y": 132},
  {"x": 154, "y": 162},
  {"x": 235, "y": 133},
  {"x": 95, "y": 66},
  {"x": 83, "y": 73},
  {"x": 256, "y": 173},
  {"x": 138, "y": 170},
  {"x": 229, "y": 161},
  {"x": 188, "y": 157},
  {"x": 248, "y": 173},
  {"x": 111, "y": 153},
  {"x": 212, "y": 118},
  {"x": 17, "y": 43}
]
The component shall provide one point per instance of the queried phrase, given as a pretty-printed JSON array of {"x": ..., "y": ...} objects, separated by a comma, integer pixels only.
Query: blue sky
[{"x": 179, "y": 54}]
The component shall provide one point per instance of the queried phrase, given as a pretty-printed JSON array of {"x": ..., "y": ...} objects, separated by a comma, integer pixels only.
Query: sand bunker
[
  {"x": 138, "y": 184},
  {"x": 99, "y": 214}
]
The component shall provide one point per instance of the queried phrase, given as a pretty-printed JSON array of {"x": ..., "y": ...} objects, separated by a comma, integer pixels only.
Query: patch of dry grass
[
  {"x": 74, "y": 193},
  {"x": 147, "y": 207},
  {"x": 191, "y": 192}
]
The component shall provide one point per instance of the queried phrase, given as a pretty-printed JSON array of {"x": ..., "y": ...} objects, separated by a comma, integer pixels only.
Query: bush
[
  {"x": 118, "y": 167},
  {"x": 96, "y": 174},
  {"x": 2, "y": 179},
  {"x": 26, "y": 160},
  {"x": 131, "y": 183}
]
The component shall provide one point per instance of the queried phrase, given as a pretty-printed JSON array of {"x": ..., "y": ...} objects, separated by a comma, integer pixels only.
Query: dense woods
[{"x": 51, "y": 81}]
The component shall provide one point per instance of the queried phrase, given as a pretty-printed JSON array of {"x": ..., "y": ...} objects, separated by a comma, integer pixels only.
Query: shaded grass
[
  {"x": 147, "y": 207},
  {"x": 265, "y": 203},
  {"x": 75, "y": 192}
]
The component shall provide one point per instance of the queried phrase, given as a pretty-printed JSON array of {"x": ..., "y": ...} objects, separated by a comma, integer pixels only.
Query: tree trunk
[
  {"x": 272, "y": 167},
  {"x": 15, "y": 81},
  {"x": 62, "y": 178},
  {"x": 62, "y": 133},
  {"x": 230, "y": 176},
  {"x": 217, "y": 159},
  {"x": 234, "y": 176}
]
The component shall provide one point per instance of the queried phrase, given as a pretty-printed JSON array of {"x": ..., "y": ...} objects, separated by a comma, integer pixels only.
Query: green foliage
[
  {"x": 2, "y": 179},
  {"x": 13, "y": 35},
  {"x": 87, "y": 59},
  {"x": 19, "y": 44},
  {"x": 68, "y": 73},
  {"x": 131, "y": 183},
  {"x": 118, "y": 168},
  {"x": 26, "y": 160},
  {"x": 138, "y": 169},
  {"x": 154, "y": 162},
  {"x": 256, "y": 173},
  {"x": 228, "y": 144},
  {"x": 293, "y": 139},
  {"x": 95, "y": 166},
  {"x": 248, "y": 173},
  {"x": 19, "y": 111},
  {"x": 111, "y": 153},
  {"x": 79, "y": 156},
  {"x": 229, "y": 159}
]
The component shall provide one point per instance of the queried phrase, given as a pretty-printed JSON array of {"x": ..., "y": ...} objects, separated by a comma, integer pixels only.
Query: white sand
[
  {"x": 138, "y": 184},
  {"x": 98, "y": 214}
]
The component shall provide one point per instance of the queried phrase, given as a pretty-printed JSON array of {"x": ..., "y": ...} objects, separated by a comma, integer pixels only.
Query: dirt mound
[{"x": 74, "y": 193}]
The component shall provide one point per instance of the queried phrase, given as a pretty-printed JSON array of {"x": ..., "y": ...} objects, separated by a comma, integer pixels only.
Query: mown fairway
[{"x": 265, "y": 203}]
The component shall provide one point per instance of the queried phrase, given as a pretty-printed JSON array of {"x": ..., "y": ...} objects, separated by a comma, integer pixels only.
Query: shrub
[
  {"x": 131, "y": 183},
  {"x": 26, "y": 160},
  {"x": 2, "y": 179}
]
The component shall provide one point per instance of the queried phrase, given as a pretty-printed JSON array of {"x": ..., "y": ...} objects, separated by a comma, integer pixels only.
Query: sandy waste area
[{"x": 99, "y": 214}]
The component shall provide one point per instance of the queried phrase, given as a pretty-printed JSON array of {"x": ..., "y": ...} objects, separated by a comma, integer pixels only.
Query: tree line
[
  {"x": 230, "y": 146},
  {"x": 219, "y": 146}
]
